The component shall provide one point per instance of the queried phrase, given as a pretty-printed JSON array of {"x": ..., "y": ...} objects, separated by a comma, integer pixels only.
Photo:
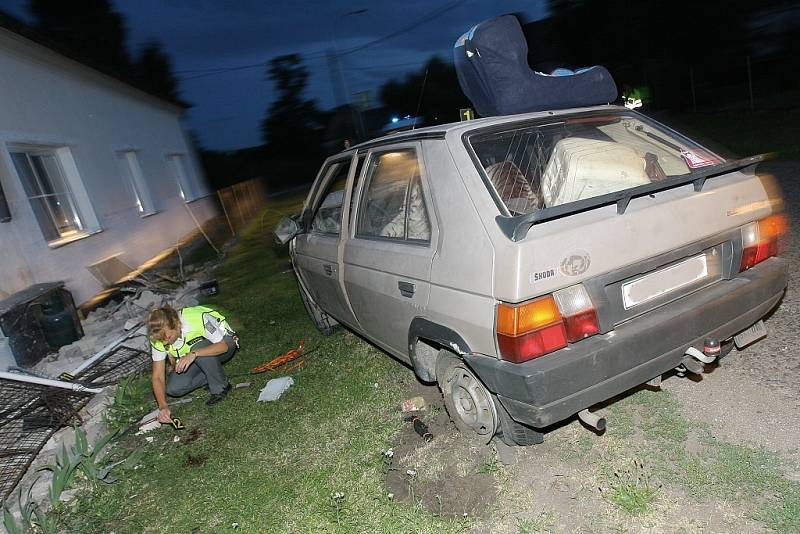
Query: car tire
[
  {"x": 513, "y": 433},
  {"x": 468, "y": 402},
  {"x": 324, "y": 322}
]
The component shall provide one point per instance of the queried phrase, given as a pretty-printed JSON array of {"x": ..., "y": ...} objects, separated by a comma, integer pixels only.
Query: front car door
[
  {"x": 316, "y": 252},
  {"x": 387, "y": 260}
]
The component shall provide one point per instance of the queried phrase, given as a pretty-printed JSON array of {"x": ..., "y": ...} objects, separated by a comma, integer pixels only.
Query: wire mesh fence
[{"x": 31, "y": 413}]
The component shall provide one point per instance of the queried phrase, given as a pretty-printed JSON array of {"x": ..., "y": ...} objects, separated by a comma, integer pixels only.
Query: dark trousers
[{"x": 206, "y": 370}]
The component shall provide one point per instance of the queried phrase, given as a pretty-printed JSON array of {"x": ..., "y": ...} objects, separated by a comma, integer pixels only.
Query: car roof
[{"x": 439, "y": 131}]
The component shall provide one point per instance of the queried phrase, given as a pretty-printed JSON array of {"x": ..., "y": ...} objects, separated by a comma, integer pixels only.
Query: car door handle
[
  {"x": 329, "y": 269},
  {"x": 407, "y": 289}
]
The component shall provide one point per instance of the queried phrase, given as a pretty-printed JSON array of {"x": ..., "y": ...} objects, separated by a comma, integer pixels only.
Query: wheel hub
[{"x": 473, "y": 404}]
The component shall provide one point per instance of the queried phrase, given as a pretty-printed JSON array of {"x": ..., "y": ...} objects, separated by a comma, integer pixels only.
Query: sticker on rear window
[{"x": 695, "y": 160}]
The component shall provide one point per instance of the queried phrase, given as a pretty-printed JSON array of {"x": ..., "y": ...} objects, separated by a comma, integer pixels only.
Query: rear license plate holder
[
  {"x": 751, "y": 335},
  {"x": 665, "y": 281}
]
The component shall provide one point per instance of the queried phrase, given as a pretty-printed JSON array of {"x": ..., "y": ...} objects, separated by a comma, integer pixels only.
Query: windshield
[{"x": 549, "y": 164}]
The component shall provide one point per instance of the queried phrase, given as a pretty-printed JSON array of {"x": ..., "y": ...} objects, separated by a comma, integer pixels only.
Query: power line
[
  {"x": 318, "y": 54},
  {"x": 422, "y": 20}
]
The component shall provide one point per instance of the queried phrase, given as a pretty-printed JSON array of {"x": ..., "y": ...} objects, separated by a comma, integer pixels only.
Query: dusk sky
[{"x": 219, "y": 47}]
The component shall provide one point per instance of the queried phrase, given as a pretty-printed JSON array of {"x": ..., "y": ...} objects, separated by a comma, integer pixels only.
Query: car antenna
[{"x": 419, "y": 102}]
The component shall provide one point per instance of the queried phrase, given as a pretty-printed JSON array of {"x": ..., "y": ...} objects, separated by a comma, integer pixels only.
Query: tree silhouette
[
  {"x": 96, "y": 34},
  {"x": 153, "y": 71},
  {"x": 89, "y": 28},
  {"x": 293, "y": 127}
]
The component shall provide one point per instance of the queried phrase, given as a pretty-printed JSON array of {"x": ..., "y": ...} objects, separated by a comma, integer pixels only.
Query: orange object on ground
[{"x": 288, "y": 356}]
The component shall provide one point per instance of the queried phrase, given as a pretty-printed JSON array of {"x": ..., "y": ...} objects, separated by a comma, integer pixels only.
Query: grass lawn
[{"x": 312, "y": 461}]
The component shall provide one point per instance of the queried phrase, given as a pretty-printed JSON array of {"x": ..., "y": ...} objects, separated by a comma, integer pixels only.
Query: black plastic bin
[{"x": 31, "y": 317}]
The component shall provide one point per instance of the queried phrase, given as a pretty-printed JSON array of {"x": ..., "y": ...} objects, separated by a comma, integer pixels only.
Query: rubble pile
[
  {"x": 108, "y": 323},
  {"x": 102, "y": 326}
]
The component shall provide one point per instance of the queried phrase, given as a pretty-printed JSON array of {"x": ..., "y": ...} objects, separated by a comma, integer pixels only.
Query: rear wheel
[
  {"x": 324, "y": 322},
  {"x": 474, "y": 410},
  {"x": 468, "y": 402},
  {"x": 514, "y": 433}
]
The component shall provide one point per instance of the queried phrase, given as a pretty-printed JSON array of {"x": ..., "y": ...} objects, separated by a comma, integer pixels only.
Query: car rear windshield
[{"x": 536, "y": 166}]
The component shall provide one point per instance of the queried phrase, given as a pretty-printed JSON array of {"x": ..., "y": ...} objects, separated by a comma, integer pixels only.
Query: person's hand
[
  {"x": 164, "y": 415},
  {"x": 185, "y": 362}
]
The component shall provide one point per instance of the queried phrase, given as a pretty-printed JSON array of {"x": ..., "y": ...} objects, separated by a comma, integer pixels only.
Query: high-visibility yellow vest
[{"x": 195, "y": 317}]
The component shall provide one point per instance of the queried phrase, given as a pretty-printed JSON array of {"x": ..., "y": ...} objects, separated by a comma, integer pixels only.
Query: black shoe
[{"x": 217, "y": 397}]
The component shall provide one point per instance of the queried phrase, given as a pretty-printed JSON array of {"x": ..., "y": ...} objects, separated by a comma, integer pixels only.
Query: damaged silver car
[{"x": 537, "y": 264}]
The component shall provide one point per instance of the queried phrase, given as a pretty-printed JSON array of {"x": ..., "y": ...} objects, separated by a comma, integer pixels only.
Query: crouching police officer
[{"x": 197, "y": 340}]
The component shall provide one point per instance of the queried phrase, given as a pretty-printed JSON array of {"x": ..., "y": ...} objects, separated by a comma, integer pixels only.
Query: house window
[
  {"x": 48, "y": 192},
  {"x": 135, "y": 177},
  {"x": 181, "y": 173}
]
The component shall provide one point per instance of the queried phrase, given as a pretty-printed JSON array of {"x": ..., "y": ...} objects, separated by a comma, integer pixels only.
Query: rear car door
[
  {"x": 317, "y": 250},
  {"x": 387, "y": 260}
]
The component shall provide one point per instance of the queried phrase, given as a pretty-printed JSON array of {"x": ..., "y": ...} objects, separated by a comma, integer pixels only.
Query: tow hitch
[{"x": 694, "y": 361}]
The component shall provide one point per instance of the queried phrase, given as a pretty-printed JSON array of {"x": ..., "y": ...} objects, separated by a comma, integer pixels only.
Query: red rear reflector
[
  {"x": 761, "y": 240},
  {"x": 581, "y": 325},
  {"x": 532, "y": 345}
]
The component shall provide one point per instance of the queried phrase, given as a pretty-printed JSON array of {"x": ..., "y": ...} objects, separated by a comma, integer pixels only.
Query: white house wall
[{"x": 48, "y": 100}]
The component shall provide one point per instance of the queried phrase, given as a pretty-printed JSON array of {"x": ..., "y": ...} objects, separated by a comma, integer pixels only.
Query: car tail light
[
  {"x": 760, "y": 240},
  {"x": 577, "y": 309},
  {"x": 529, "y": 330},
  {"x": 546, "y": 324}
]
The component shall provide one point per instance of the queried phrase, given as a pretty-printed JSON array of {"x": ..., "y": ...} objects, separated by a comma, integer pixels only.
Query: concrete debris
[
  {"x": 107, "y": 323},
  {"x": 101, "y": 327},
  {"x": 148, "y": 300}
]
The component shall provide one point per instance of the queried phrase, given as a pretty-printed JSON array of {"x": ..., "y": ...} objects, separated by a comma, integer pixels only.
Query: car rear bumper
[{"x": 546, "y": 390}]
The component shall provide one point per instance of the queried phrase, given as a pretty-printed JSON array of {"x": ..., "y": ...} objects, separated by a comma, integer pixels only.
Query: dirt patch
[
  {"x": 193, "y": 435},
  {"x": 450, "y": 476},
  {"x": 195, "y": 460}
]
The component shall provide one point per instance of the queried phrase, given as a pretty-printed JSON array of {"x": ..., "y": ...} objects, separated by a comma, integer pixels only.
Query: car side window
[
  {"x": 393, "y": 205},
  {"x": 328, "y": 216}
]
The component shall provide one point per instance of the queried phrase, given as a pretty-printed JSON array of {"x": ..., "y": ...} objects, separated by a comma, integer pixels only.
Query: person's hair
[{"x": 160, "y": 318}]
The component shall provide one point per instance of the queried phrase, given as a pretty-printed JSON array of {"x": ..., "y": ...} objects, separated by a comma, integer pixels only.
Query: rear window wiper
[{"x": 516, "y": 227}]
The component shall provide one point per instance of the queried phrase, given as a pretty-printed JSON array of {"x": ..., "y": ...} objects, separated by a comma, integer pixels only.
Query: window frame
[
  {"x": 319, "y": 189},
  {"x": 129, "y": 160},
  {"x": 363, "y": 186},
  {"x": 186, "y": 187},
  {"x": 75, "y": 189},
  {"x": 466, "y": 139}
]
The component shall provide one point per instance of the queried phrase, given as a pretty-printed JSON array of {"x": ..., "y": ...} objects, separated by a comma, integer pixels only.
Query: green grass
[
  {"x": 748, "y": 476},
  {"x": 271, "y": 467}
]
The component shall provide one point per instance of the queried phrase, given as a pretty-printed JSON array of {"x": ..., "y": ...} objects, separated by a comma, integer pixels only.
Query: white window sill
[
  {"x": 56, "y": 243},
  {"x": 201, "y": 197}
]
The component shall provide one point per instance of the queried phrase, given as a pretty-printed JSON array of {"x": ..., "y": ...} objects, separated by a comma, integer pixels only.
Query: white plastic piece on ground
[
  {"x": 586, "y": 168},
  {"x": 144, "y": 429},
  {"x": 275, "y": 388},
  {"x": 149, "y": 417}
]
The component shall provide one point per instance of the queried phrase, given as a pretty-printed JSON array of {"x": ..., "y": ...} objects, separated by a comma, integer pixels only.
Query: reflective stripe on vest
[{"x": 195, "y": 319}]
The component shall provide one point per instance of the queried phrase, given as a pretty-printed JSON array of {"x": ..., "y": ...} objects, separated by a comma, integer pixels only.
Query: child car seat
[{"x": 492, "y": 65}]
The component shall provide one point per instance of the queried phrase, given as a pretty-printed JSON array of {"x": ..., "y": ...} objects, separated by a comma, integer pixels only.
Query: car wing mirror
[{"x": 286, "y": 230}]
